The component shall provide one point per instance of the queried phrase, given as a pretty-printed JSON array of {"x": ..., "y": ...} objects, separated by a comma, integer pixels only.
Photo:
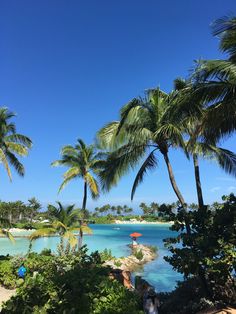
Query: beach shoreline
[{"x": 137, "y": 222}]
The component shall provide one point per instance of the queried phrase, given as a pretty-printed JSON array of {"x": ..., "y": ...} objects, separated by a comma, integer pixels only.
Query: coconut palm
[
  {"x": 145, "y": 128},
  {"x": 215, "y": 83},
  {"x": 83, "y": 162},
  {"x": 65, "y": 223},
  {"x": 12, "y": 144},
  {"x": 196, "y": 146}
]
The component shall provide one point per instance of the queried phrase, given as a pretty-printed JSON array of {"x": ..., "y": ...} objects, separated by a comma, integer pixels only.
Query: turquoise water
[{"x": 115, "y": 237}]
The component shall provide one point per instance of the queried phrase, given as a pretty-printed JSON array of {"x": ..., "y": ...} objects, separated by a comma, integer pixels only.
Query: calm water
[{"x": 116, "y": 238}]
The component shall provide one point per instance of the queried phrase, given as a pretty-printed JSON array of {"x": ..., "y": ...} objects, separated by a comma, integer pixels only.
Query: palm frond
[
  {"x": 7, "y": 233},
  {"x": 65, "y": 182},
  {"x": 19, "y": 138},
  {"x": 72, "y": 172},
  {"x": 119, "y": 162},
  {"x": 225, "y": 28},
  {"x": 108, "y": 138},
  {"x": 17, "y": 148},
  {"x": 71, "y": 238},
  {"x": 13, "y": 160},
  {"x": 4, "y": 161},
  {"x": 44, "y": 232},
  {"x": 148, "y": 164},
  {"x": 225, "y": 158},
  {"x": 93, "y": 185}
]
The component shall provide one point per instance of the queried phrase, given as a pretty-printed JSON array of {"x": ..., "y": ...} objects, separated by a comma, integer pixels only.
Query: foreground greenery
[{"x": 69, "y": 283}]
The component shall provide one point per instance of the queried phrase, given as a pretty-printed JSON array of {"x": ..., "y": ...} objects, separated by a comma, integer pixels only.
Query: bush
[
  {"x": 138, "y": 254},
  {"x": 153, "y": 248},
  {"x": 8, "y": 277},
  {"x": 106, "y": 255}
]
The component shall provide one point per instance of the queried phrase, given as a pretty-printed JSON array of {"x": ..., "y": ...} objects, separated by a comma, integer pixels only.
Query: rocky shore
[{"x": 140, "y": 255}]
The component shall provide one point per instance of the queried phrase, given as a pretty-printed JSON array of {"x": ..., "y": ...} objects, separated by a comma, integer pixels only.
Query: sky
[{"x": 67, "y": 67}]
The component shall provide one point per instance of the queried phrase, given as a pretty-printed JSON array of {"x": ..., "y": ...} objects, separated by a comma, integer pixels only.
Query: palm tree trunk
[
  {"x": 80, "y": 241},
  {"x": 176, "y": 189},
  {"x": 172, "y": 180},
  {"x": 198, "y": 181},
  {"x": 85, "y": 196}
]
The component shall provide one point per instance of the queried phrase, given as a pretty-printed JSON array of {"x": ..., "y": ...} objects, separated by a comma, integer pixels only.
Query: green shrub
[
  {"x": 117, "y": 263},
  {"x": 188, "y": 297},
  {"x": 8, "y": 276},
  {"x": 138, "y": 254},
  {"x": 106, "y": 255},
  {"x": 153, "y": 248}
]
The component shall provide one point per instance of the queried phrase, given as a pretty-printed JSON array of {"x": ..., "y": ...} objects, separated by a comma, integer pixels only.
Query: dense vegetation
[{"x": 71, "y": 283}]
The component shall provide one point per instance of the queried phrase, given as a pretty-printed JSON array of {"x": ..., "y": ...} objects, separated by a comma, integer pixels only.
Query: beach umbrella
[{"x": 135, "y": 235}]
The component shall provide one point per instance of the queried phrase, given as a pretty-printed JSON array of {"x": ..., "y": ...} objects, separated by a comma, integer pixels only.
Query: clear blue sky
[{"x": 68, "y": 66}]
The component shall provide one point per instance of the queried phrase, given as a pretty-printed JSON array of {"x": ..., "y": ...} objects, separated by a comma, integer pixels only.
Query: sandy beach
[
  {"x": 16, "y": 230},
  {"x": 143, "y": 222}
]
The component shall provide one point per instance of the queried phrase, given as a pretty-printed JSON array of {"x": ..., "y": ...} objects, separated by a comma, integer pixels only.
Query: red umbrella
[{"x": 135, "y": 235}]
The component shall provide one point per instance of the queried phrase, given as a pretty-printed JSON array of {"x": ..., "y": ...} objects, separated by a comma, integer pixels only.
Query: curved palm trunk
[
  {"x": 175, "y": 188},
  {"x": 201, "y": 271},
  {"x": 80, "y": 242},
  {"x": 198, "y": 181}
]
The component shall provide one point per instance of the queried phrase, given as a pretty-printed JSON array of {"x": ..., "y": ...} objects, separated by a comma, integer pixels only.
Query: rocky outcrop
[
  {"x": 140, "y": 255},
  {"x": 123, "y": 276}
]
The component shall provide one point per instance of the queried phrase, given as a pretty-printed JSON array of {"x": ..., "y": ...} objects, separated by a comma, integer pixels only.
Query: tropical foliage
[
  {"x": 66, "y": 222},
  {"x": 215, "y": 83},
  {"x": 83, "y": 286},
  {"x": 145, "y": 128},
  {"x": 209, "y": 251},
  {"x": 12, "y": 144},
  {"x": 83, "y": 162}
]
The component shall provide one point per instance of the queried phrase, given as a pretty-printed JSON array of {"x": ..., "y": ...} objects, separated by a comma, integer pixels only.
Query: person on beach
[
  {"x": 150, "y": 301},
  {"x": 134, "y": 242}
]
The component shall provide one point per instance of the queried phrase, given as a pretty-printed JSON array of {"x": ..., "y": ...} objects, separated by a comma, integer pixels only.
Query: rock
[
  {"x": 130, "y": 263},
  {"x": 124, "y": 277}
]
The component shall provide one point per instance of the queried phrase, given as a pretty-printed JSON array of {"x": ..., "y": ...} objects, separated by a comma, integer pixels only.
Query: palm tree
[
  {"x": 65, "y": 222},
  {"x": 33, "y": 207},
  {"x": 145, "y": 127},
  {"x": 215, "y": 84},
  {"x": 12, "y": 144},
  {"x": 196, "y": 146},
  {"x": 83, "y": 162}
]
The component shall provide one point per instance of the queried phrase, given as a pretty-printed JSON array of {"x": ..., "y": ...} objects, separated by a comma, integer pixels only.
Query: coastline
[
  {"x": 12, "y": 230},
  {"x": 137, "y": 222}
]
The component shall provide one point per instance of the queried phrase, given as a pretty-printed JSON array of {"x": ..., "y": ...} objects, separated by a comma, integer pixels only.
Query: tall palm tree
[
  {"x": 145, "y": 128},
  {"x": 196, "y": 146},
  {"x": 215, "y": 83},
  {"x": 12, "y": 144},
  {"x": 65, "y": 222},
  {"x": 83, "y": 162}
]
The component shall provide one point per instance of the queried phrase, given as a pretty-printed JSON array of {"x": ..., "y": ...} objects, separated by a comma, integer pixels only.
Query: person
[
  {"x": 134, "y": 242},
  {"x": 150, "y": 301},
  {"x": 21, "y": 271}
]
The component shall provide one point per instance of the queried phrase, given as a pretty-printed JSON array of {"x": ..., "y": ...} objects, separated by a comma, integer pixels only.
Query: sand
[
  {"x": 5, "y": 294},
  {"x": 143, "y": 222}
]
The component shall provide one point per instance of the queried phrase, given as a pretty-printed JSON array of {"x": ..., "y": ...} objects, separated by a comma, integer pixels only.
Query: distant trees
[
  {"x": 19, "y": 211},
  {"x": 114, "y": 210}
]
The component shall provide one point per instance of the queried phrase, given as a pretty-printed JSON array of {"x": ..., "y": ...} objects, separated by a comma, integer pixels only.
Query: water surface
[{"x": 114, "y": 237}]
